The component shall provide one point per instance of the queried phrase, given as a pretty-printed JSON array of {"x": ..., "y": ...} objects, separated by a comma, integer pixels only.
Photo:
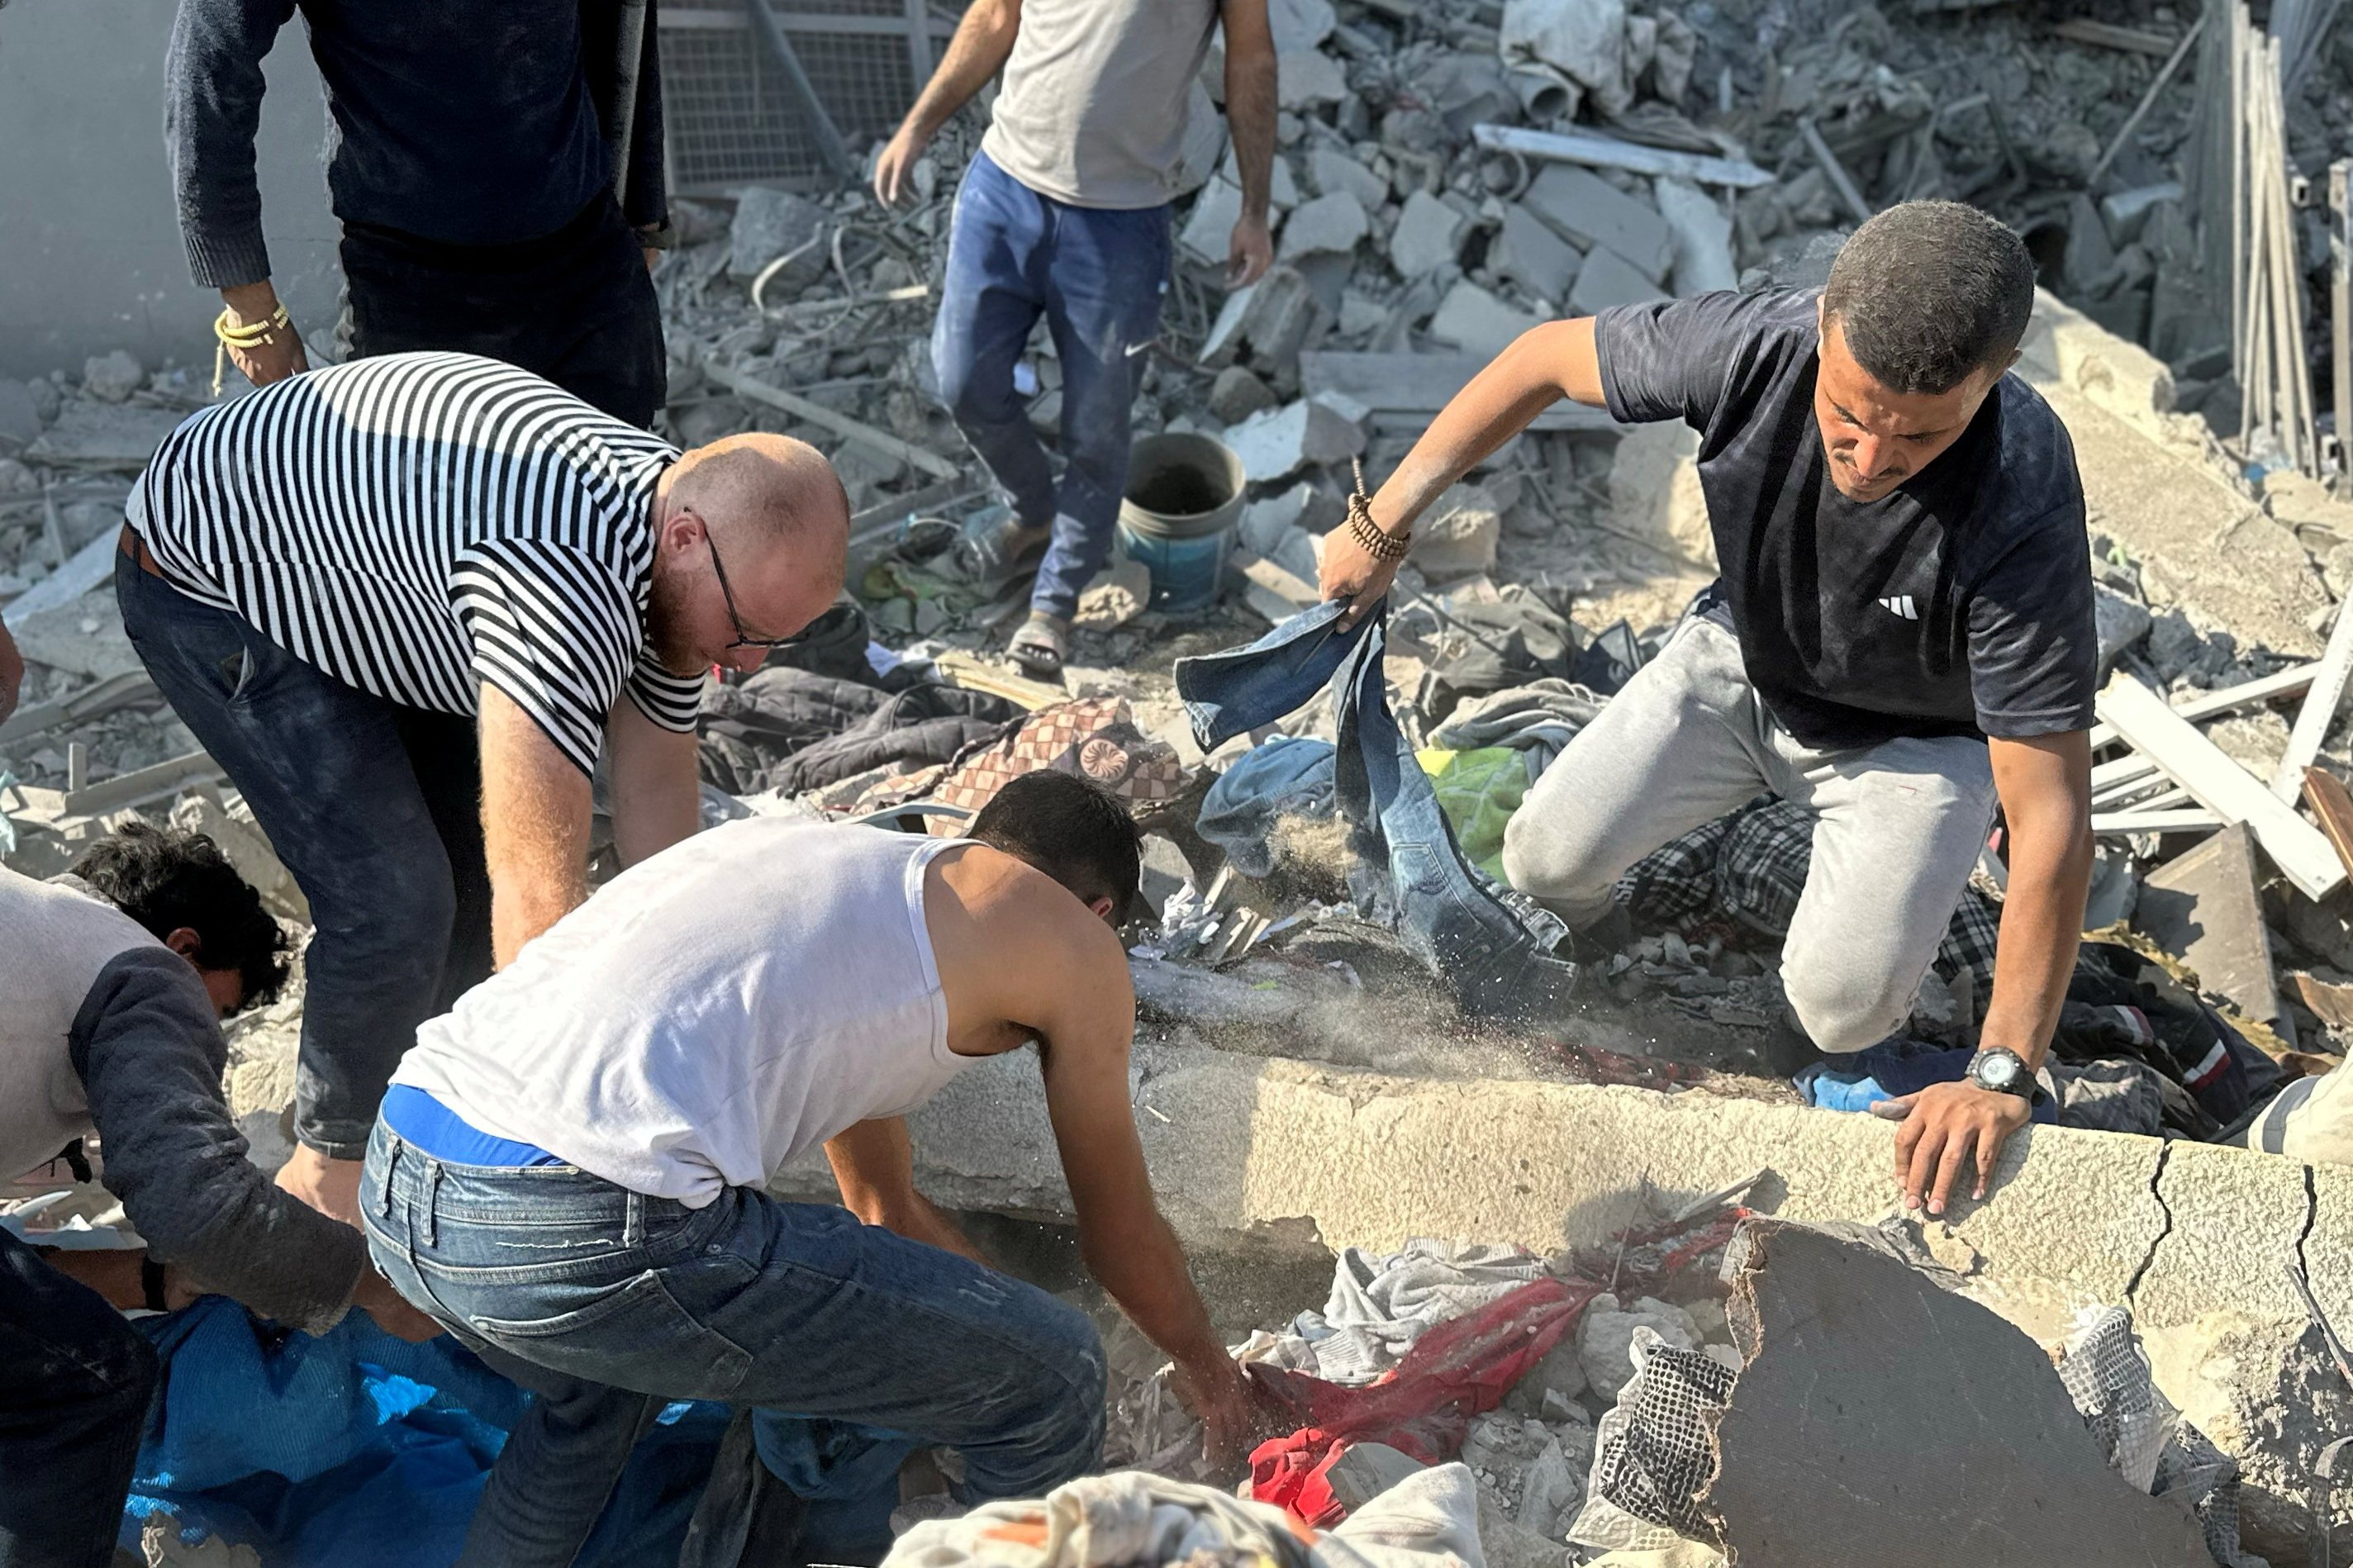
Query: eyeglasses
[{"x": 743, "y": 639}]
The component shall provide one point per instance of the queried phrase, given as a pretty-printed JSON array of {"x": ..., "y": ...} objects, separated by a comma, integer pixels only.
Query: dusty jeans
[{"x": 1897, "y": 827}]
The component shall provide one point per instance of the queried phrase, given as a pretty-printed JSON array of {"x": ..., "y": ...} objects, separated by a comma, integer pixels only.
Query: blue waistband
[{"x": 422, "y": 1121}]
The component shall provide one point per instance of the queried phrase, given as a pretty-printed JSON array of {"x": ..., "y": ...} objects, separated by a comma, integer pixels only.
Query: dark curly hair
[
  {"x": 166, "y": 879},
  {"x": 1928, "y": 292},
  {"x": 1073, "y": 829}
]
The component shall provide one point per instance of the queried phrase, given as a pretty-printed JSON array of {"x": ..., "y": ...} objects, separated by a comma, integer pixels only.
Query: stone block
[
  {"x": 20, "y": 420},
  {"x": 112, "y": 378},
  {"x": 1305, "y": 78},
  {"x": 1279, "y": 442},
  {"x": 770, "y": 223},
  {"x": 1301, "y": 509},
  {"x": 1282, "y": 185},
  {"x": 1424, "y": 239},
  {"x": 1588, "y": 210},
  {"x": 2202, "y": 908},
  {"x": 2122, "y": 622},
  {"x": 1209, "y": 229},
  {"x": 1237, "y": 393},
  {"x": 1477, "y": 322},
  {"x": 1269, "y": 319},
  {"x": 1702, "y": 232},
  {"x": 1531, "y": 255},
  {"x": 1654, "y": 491},
  {"x": 1329, "y": 170},
  {"x": 1300, "y": 24},
  {"x": 1608, "y": 278},
  {"x": 1332, "y": 225},
  {"x": 1457, "y": 535}
]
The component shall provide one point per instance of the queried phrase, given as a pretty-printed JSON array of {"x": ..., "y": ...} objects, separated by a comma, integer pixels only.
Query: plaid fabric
[
  {"x": 1093, "y": 737},
  {"x": 1745, "y": 872}
]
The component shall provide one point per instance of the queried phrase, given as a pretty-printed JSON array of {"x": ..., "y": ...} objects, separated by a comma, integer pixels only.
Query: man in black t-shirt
[{"x": 1901, "y": 639}]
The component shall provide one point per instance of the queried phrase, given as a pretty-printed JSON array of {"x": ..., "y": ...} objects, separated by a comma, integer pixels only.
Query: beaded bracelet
[{"x": 1376, "y": 542}]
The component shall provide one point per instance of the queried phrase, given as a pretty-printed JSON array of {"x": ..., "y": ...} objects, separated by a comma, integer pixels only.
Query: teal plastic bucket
[{"x": 1183, "y": 499}]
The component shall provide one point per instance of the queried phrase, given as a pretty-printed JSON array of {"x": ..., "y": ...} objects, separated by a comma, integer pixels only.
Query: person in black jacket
[
  {"x": 116, "y": 978},
  {"x": 497, "y": 170}
]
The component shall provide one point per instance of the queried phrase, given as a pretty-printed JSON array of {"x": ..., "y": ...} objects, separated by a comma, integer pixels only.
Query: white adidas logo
[{"x": 1901, "y": 604}]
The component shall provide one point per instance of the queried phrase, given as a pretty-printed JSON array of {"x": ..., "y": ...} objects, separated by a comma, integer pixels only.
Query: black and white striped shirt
[{"x": 412, "y": 523}]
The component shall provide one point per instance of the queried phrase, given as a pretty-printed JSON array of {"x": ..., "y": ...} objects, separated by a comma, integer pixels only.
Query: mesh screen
[{"x": 728, "y": 111}]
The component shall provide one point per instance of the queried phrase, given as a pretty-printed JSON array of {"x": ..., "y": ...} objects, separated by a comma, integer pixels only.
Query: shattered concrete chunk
[
  {"x": 1279, "y": 442},
  {"x": 1300, "y": 24},
  {"x": 770, "y": 223},
  {"x": 1119, "y": 593},
  {"x": 1237, "y": 393},
  {"x": 1208, "y": 230},
  {"x": 1329, "y": 170},
  {"x": 1475, "y": 321},
  {"x": 1607, "y": 279},
  {"x": 1531, "y": 255},
  {"x": 1702, "y": 232},
  {"x": 1424, "y": 239},
  {"x": 1459, "y": 535},
  {"x": 1583, "y": 41},
  {"x": 1303, "y": 508},
  {"x": 1654, "y": 489},
  {"x": 1605, "y": 1338},
  {"x": 47, "y": 400},
  {"x": 112, "y": 378},
  {"x": 1881, "y": 1419},
  {"x": 1331, "y": 224},
  {"x": 1589, "y": 211},
  {"x": 2121, "y": 622},
  {"x": 20, "y": 421},
  {"x": 2202, "y": 907},
  {"x": 1308, "y": 77}
]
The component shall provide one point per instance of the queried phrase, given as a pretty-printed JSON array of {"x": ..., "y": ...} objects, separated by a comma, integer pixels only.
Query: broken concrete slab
[
  {"x": 1210, "y": 228},
  {"x": 1474, "y": 320},
  {"x": 1270, "y": 319},
  {"x": 1307, "y": 78},
  {"x": 1331, "y": 171},
  {"x": 1588, "y": 210},
  {"x": 2202, "y": 907},
  {"x": 1607, "y": 279},
  {"x": 89, "y": 434},
  {"x": 1327, "y": 226},
  {"x": 1277, "y": 443},
  {"x": 1702, "y": 232},
  {"x": 1528, "y": 253},
  {"x": 771, "y": 224},
  {"x": 2121, "y": 623},
  {"x": 1882, "y": 1418},
  {"x": 1654, "y": 491},
  {"x": 1266, "y": 522},
  {"x": 1459, "y": 535},
  {"x": 1412, "y": 384},
  {"x": 114, "y": 377},
  {"x": 1424, "y": 239},
  {"x": 1237, "y": 393},
  {"x": 1300, "y": 24}
]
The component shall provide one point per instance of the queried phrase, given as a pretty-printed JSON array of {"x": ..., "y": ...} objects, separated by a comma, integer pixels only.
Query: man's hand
[
  {"x": 894, "y": 166},
  {"x": 374, "y": 1296},
  {"x": 1218, "y": 1394},
  {"x": 1943, "y": 1124},
  {"x": 277, "y": 356},
  {"x": 1250, "y": 253},
  {"x": 1352, "y": 573},
  {"x": 330, "y": 1186}
]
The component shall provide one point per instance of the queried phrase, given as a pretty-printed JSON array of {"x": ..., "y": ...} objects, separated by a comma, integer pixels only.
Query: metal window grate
[{"x": 729, "y": 114}]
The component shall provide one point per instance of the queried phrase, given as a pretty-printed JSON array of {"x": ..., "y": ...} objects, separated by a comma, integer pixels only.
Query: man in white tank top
[{"x": 569, "y": 1170}]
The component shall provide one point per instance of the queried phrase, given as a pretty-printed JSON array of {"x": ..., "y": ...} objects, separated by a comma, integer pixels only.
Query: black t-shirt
[{"x": 1959, "y": 604}]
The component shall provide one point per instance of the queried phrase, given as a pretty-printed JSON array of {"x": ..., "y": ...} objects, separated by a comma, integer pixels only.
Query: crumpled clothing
[
  {"x": 1095, "y": 738},
  {"x": 1747, "y": 871},
  {"x": 1379, "y": 1308},
  {"x": 1520, "y": 640},
  {"x": 2120, "y": 1003},
  {"x": 1283, "y": 776},
  {"x": 1540, "y": 719},
  {"x": 1654, "y": 1450},
  {"x": 2110, "y": 1096},
  {"x": 1428, "y": 1520},
  {"x": 2144, "y": 1436},
  {"x": 789, "y": 731},
  {"x": 1479, "y": 791},
  {"x": 2311, "y": 1119}
]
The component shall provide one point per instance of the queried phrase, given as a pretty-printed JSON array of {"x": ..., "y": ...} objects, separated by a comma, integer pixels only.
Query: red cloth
[{"x": 1423, "y": 1407}]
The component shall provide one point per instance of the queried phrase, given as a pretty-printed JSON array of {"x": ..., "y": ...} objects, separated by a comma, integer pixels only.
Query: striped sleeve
[
  {"x": 553, "y": 629},
  {"x": 672, "y": 701}
]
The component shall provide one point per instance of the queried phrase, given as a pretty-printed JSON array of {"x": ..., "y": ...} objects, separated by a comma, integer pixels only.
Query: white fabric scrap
[{"x": 1378, "y": 1306}]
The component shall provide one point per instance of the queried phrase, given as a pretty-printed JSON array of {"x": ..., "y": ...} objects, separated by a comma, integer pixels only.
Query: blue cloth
[
  {"x": 1492, "y": 949},
  {"x": 363, "y": 1450},
  {"x": 1097, "y": 274},
  {"x": 1286, "y": 776},
  {"x": 1890, "y": 1071},
  {"x": 449, "y": 1137},
  {"x": 375, "y": 808},
  {"x": 607, "y": 1303},
  {"x": 74, "y": 1379}
]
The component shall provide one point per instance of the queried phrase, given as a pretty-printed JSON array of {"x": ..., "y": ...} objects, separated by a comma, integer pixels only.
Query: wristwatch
[{"x": 2004, "y": 1072}]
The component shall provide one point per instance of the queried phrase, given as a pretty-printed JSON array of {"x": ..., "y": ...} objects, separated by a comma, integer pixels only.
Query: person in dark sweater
[
  {"x": 498, "y": 171},
  {"x": 1900, "y": 640},
  {"x": 117, "y": 977}
]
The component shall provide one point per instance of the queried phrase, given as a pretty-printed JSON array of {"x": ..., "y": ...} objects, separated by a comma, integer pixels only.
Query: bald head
[
  {"x": 763, "y": 483},
  {"x": 752, "y": 535}
]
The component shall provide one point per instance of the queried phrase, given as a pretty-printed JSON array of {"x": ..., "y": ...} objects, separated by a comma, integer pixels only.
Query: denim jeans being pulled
[
  {"x": 1494, "y": 952},
  {"x": 1097, "y": 274},
  {"x": 374, "y": 807},
  {"x": 608, "y": 1304}
]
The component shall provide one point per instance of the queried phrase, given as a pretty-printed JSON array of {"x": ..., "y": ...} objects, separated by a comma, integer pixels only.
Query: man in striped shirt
[{"x": 407, "y": 604}]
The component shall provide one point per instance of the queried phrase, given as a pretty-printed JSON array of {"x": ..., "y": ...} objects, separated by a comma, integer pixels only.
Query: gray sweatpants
[{"x": 1897, "y": 827}]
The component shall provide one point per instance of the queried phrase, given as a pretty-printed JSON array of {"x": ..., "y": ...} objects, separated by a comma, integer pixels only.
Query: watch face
[{"x": 1997, "y": 1069}]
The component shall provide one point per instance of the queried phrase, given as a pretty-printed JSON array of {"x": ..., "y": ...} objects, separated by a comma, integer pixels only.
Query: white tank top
[{"x": 710, "y": 1015}]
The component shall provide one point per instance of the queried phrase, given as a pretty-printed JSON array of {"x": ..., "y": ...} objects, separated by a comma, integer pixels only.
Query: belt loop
[
  {"x": 432, "y": 1199},
  {"x": 392, "y": 1149},
  {"x": 633, "y": 1221}
]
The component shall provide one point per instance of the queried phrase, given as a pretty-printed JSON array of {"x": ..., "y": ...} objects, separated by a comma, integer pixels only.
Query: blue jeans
[
  {"x": 75, "y": 1379},
  {"x": 1492, "y": 950},
  {"x": 1097, "y": 274},
  {"x": 608, "y": 1304},
  {"x": 376, "y": 810}
]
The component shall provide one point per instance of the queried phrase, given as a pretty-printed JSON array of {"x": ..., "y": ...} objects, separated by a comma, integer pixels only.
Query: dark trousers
[
  {"x": 375, "y": 808},
  {"x": 75, "y": 1379},
  {"x": 574, "y": 306}
]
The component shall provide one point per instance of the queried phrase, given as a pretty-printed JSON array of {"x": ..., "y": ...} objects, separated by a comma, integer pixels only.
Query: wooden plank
[
  {"x": 1421, "y": 384},
  {"x": 1834, "y": 172},
  {"x": 2120, "y": 822},
  {"x": 2246, "y": 694},
  {"x": 2325, "y": 793},
  {"x": 2319, "y": 709},
  {"x": 145, "y": 785},
  {"x": 963, "y": 669},
  {"x": 858, "y": 430},
  {"x": 2148, "y": 99},
  {"x": 2220, "y": 784},
  {"x": 2109, "y": 35},
  {"x": 1608, "y": 153},
  {"x": 123, "y": 690}
]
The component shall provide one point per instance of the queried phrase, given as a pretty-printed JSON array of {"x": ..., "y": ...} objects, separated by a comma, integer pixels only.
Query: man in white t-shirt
[{"x": 568, "y": 1169}]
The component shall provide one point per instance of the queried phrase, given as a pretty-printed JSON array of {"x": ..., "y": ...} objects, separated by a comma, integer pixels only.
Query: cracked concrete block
[
  {"x": 1654, "y": 489},
  {"x": 1475, "y": 321},
  {"x": 1307, "y": 78},
  {"x": 1947, "y": 1429},
  {"x": 1702, "y": 232},
  {"x": 1527, "y": 253},
  {"x": 1328, "y": 224},
  {"x": 1588, "y": 210},
  {"x": 1277, "y": 443},
  {"x": 112, "y": 378},
  {"x": 1424, "y": 239},
  {"x": 1237, "y": 393},
  {"x": 1281, "y": 188},
  {"x": 2230, "y": 1215},
  {"x": 1210, "y": 228},
  {"x": 1300, "y": 24},
  {"x": 2121, "y": 623},
  {"x": 1331, "y": 171},
  {"x": 1604, "y": 1339},
  {"x": 2202, "y": 908},
  {"x": 1608, "y": 278},
  {"x": 2117, "y": 375}
]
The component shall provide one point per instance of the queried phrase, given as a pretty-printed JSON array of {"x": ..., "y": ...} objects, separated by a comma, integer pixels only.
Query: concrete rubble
[{"x": 1306, "y": 1089}]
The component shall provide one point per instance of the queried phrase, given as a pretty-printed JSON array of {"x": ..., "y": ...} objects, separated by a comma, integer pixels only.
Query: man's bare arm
[
  {"x": 535, "y": 809},
  {"x": 983, "y": 42},
  {"x": 655, "y": 797},
  {"x": 1251, "y": 99},
  {"x": 12, "y": 674},
  {"x": 1543, "y": 365},
  {"x": 2045, "y": 784},
  {"x": 874, "y": 1165}
]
